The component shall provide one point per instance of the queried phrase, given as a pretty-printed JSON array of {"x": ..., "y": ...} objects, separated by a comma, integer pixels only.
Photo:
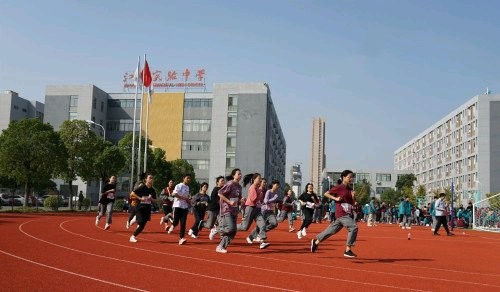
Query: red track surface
[{"x": 61, "y": 252}]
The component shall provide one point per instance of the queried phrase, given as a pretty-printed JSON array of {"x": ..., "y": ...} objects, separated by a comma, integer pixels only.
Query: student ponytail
[{"x": 249, "y": 178}]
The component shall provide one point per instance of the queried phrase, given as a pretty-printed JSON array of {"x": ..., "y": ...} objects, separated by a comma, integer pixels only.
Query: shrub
[
  {"x": 86, "y": 204},
  {"x": 53, "y": 202}
]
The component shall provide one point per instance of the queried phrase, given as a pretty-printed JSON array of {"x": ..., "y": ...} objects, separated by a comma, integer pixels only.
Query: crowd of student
[{"x": 262, "y": 205}]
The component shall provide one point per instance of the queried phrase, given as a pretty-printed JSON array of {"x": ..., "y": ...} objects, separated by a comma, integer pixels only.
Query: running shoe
[
  {"x": 220, "y": 249},
  {"x": 194, "y": 236},
  {"x": 106, "y": 227},
  {"x": 299, "y": 234},
  {"x": 257, "y": 239},
  {"x": 249, "y": 240},
  {"x": 212, "y": 234},
  {"x": 263, "y": 245},
  {"x": 349, "y": 254},
  {"x": 304, "y": 231},
  {"x": 314, "y": 245},
  {"x": 190, "y": 232},
  {"x": 133, "y": 239},
  {"x": 182, "y": 241}
]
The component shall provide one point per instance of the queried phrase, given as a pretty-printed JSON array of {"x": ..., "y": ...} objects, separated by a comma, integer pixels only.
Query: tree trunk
[
  {"x": 70, "y": 202},
  {"x": 27, "y": 190}
]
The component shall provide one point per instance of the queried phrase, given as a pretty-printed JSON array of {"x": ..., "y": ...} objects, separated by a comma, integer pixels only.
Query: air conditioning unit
[{"x": 379, "y": 182}]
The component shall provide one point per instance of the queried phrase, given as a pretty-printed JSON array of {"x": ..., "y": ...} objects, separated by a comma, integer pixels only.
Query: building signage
[{"x": 170, "y": 79}]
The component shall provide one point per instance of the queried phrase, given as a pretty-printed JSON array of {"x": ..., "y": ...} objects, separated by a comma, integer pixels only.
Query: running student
[
  {"x": 287, "y": 210},
  {"x": 199, "y": 203},
  {"x": 266, "y": 219},
  {"x": 166, "y": 196},
  {"x": 134, "y": 202},
  {"x": 107, "y": 201},
  {"x": 253, "y": 200},
  {"x": 146, "y": 194},
  {"x": 230, "y": 196},
  {"x": 181, "y": 206},
  {"x": 307, "y": 200},
  {"x": 213, "y": 209},
  {"x": 342, "y": 194}
]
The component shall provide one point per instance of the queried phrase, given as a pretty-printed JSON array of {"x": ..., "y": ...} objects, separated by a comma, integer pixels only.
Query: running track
[{"x": 59, "y": 252}]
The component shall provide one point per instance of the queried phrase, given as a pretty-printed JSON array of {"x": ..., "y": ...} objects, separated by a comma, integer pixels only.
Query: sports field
[{"x": 60, "y": 252}]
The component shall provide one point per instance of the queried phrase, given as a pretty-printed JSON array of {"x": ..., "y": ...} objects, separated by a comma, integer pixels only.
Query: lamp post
[{"x": 104, "y": 138}]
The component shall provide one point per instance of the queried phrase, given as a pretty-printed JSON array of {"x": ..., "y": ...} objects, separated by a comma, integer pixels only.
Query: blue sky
[{"x": 379, "y": 72}]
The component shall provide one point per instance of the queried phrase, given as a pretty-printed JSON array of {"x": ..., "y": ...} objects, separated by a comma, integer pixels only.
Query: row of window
[
  {"x": 197, "y": 102},
  {"x": 202, "y": 164},
  {"x": 123, "y": 103},
  {"x": 195, "y": 145},
  {"x": 196, "y": 125},
  {"x": 121, "y": 125}
]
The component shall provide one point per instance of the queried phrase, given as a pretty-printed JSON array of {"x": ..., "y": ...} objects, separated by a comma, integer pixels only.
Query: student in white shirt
[{"x": 181, "y": 206}]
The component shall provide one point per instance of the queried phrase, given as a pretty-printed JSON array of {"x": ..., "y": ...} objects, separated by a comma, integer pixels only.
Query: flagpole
[
  {"x": 146, "y": 146},
  {"x": 134, "y": 123},
  {"x": 140, "y": 122}
]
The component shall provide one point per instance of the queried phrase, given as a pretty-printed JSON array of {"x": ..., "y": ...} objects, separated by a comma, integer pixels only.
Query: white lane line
[
  {"x": 69, "y": 272},
  {"x": 238, "y": 265},
  {"x": 146, "y": 265}
]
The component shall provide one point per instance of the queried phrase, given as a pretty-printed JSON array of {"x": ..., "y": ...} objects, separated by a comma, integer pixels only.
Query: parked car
[
  {"x": 11, "y": 200},
  {"x": 34, "y": 201}
]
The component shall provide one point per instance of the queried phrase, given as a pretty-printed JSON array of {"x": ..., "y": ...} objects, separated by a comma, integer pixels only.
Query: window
[
  {"x": 72, "y": 116},
  {"x": 196, "y": 125},
  {"x": 73, "y": 100},
  {"x": 232, "y": 101},
  {"x": 24, "y": 110},
  {"x": 199, "y": 164},
  {"x": 121, "y": 125},
  {"x": 123, "y": 103},
  {"x": 94, "y": 103},
  {"x": 197, "y": 102},
  {"x": 102, "y": 106},
  {"x": 195, "y": 145},
  {"x": 362, "y": 176},
  {"x": 383, "y": 177},
  {"x": 230, "y": 162}
]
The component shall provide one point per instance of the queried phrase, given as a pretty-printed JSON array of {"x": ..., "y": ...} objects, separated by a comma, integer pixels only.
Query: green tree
[
  {"x": 391, "y": 196},
  {"x": 363, "y": 191},
  {"x": 82, "y": 147},
  {"x": 180, "y": 167},
  {"x": 125, "y": 145},
  {"x": 30, "y": 152},
  {"x": 405, "y": 180},
  {"x": 494, "y": 202},
  {"x": 421, "y": 193},
  {"x": 109, "y": 161},
  {"x": 160, "y": 168}
]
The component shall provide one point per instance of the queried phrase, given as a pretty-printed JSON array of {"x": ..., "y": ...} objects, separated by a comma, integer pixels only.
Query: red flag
[{"x": 146, "y": 75}]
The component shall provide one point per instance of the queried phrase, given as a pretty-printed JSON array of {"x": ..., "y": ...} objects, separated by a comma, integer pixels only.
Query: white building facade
[{"x": 462, "y": 148}]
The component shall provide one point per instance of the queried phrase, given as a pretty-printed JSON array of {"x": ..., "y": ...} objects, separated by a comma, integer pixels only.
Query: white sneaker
[
  {"x": 264, "y": 245},
  {"x": 106, "y": 227},
  {"x": 212, "y": 234},
  {"x": 194, "y": 236},
  {"x": 220, "y": 249},
  {"x": 299, "y": 234},
  {"x": 133, "y": 239},
  {"x": 127, "y": 225},
  {"x": 402, "y": 227},
  {"x": 162, "y": 220},
  {"x": 432, "y": 229},
  {"x": 249, "y": 240},
  {"x": 170, "y": 229},
  {"x": 257, "y": 240},
  {"x": 304, "y": 232},
  {"x": 97, "y": 221},
  {"x": 190, "y": 232},
  {"x": 408, "y": 227},
  {"x": 182, "y": 241}
]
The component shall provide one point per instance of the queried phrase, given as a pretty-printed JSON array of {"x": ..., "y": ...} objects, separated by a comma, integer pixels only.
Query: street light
[
  {"x": 104, "y": 138},
  {"x": 94, "y": 123}
]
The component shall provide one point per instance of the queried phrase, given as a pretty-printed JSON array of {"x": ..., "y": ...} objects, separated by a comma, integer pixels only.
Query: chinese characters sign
[{"x": 170, "y": 79}]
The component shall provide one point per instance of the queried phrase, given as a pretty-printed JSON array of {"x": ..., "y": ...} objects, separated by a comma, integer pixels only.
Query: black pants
[
  {"x": 308, "y": 215},
  {"x": 180, "y": 215},
  {"x": 441, "y": 220}
]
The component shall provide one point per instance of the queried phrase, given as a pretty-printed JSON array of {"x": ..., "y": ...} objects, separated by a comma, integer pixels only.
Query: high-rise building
[
  {"x": 296, "y": 179},
  {"x": 15, "y": 108},
  {"x": 234, "y": 126},
  {"x": 318, "y": 157},
  {"x": 462, "y": 148}
]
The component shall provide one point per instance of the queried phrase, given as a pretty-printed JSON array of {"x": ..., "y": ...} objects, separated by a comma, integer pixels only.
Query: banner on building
[{"x": 170, "y": 79}]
